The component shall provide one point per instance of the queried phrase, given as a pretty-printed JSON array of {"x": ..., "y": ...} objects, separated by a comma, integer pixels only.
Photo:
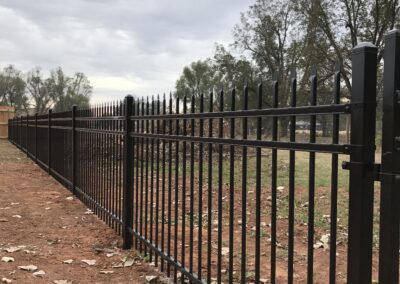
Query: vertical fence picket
[
  {"x": 311, "y": 181},
  {"x": 209, "y": 191},
  {"x": 244, "y": 189},
  {"x": 231, "y": 188},
  {"x": 176, "y": 189},
  {"x": 157, "y": 180},
  {"x": 274, "y": 167},
  {"x": 192, "y": 185},
  {"x": 146, "y": 198},
  {"x": 292, "y": 168},
  {"x": 127, "y": 176},
  {"x": 151, "y": 178},
  {"x": 334, "y": 181},
  {"x": 27, "y": 136},
  {"x": 36, "y": 137},
  {"x": 164, "y": 123},
  {"x": 74, "y": 150},
  {"x": 257, "y": 251},
  {"x": 183, "y": 245},
  {"x": 220, "y": 189},
  {"x": 49, "y": 141},
  {"x": 137, "y": 190},
  {"x": 200, "y": 194},
  {"x": 169, "y": 207},
  {"x": 142, "y": 162}
]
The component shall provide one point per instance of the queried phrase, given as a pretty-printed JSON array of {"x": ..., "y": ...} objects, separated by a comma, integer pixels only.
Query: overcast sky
[{"x": 136, "y": 47}]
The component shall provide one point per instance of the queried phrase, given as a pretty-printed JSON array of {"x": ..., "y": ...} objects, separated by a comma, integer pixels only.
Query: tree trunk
[
  {"x": 283, "y": 127},
  {"x": 325, "y": 130}
]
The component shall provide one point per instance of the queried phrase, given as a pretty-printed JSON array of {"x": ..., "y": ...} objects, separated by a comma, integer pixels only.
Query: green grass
[
  {"x": 323, "y": 181},
  {"x": 323, "y": 166}
]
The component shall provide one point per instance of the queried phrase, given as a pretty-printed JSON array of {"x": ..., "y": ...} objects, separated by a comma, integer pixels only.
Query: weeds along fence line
[{"x": 202, "y": 199}]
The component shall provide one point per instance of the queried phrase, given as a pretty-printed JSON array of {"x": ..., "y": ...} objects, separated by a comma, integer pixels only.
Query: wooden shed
[{"x": 6, "y": 113}]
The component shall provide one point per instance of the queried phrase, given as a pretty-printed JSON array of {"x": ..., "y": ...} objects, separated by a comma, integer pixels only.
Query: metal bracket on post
[
  {"x": 128, "y": 176},
  {"x": 376, "y": 168}
]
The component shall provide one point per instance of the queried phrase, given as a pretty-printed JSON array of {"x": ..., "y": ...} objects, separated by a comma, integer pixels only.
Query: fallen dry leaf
[
  {"x": 68, "y": 261},
  {"x": 119, "y": 265},
  {"x": 88, "y": 212},
  {"x": 28, "y": 267},
  {"x": 62, "y": 282},
  {"x": 39, "y": 273},
  {"x": 90, "y": 262},
  {"x": 318, "y": 245},
  {"x": 52, "y": 242},
  {"x": 69, "y": 198},
  {"x": 151, "y": 278},
  {"x": 17, "y": 216},
  {"x": 323, "y": 242},
  {"x": 224, "y": 251},
  {"x": 6, "y": 280},
  {"x": 129, "y": 262},
  {"x": 12, "y": 249},
  {"x": 106, "y": 271},
  {"x": 7, "y": 259}
]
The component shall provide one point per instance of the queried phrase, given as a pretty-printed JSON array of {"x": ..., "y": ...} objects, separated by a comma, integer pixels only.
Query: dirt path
[{"x": 45, "y": 226}]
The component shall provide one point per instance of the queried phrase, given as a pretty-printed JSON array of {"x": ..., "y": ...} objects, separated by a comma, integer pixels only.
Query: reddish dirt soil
[{"x": 38, "y": 217}]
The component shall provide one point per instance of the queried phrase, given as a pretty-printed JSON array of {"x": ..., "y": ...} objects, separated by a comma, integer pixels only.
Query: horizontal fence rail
[{"x": 210, "y": 189}]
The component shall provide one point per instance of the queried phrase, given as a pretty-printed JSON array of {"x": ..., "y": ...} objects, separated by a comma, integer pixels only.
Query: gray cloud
[{"x": 123, "y": 46}]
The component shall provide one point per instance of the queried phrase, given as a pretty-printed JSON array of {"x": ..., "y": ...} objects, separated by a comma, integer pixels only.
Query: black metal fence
[{"x": 198, "y": 194}]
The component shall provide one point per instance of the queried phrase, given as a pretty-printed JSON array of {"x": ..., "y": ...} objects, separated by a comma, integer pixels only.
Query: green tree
[
  {"x": 67, "y": 91},
  {"x": 39, "y": 91},
  {"x": 268, "y": 32},
  {"x": 236, "y": 73},
  {"x": 343, "y": 24},
  {"x": 200, "y": 77},
  {"x": 12, "y": 89}
]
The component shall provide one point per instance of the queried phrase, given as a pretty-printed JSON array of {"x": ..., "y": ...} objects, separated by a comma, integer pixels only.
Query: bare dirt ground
[{"x": 42, "y": 225}]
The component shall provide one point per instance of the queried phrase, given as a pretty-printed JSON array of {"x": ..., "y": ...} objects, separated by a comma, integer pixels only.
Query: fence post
[
  {"x": 390, "y": 170},
  {"x": 36, "y": 139},
  {"x": 361, "y": 166},
  {"x": 128, "y": 176},
  {"x": 49, "y": 141},
  {"x": 19, "y": 133},
  {"x": 27, "y": 135},
  {"x": 73, "y": 149}
]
